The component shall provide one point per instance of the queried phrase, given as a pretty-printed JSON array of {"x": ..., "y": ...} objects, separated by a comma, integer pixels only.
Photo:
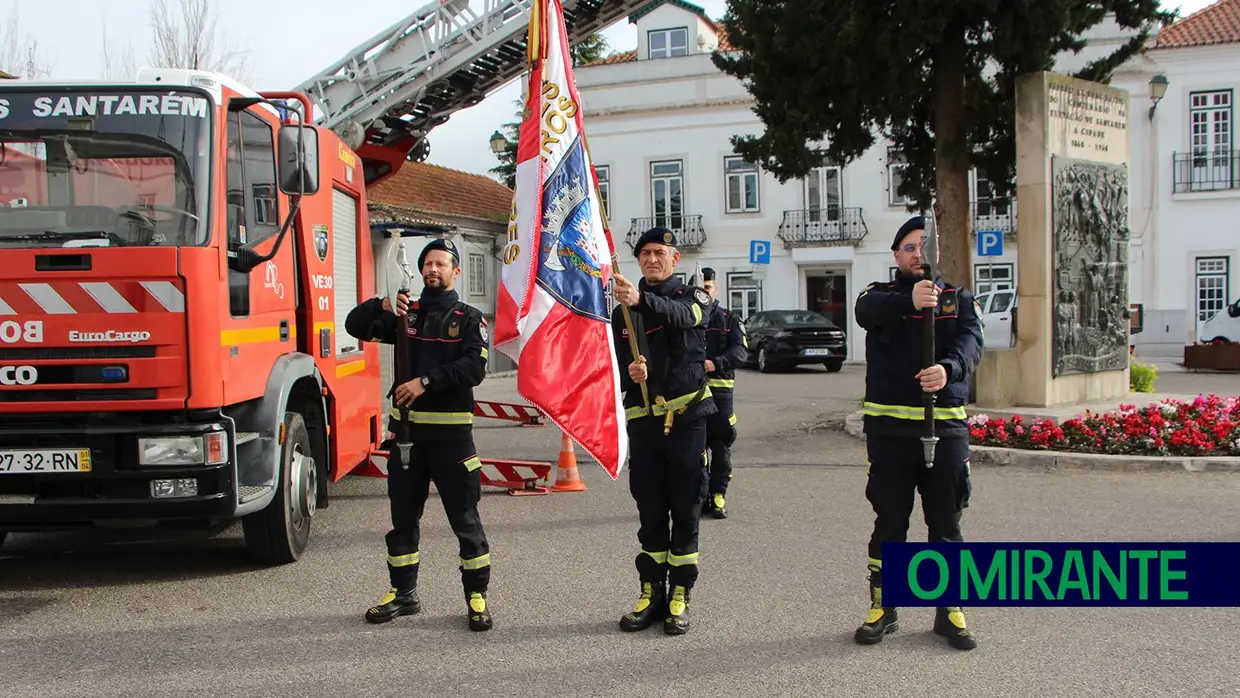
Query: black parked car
[{"x": 779, "y": 338}]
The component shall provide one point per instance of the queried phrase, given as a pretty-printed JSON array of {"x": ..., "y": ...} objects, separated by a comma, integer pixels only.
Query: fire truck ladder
[{"x": 386, "y": 95}]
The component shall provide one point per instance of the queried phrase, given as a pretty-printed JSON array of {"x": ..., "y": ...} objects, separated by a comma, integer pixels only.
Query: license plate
[
  {"x": 817, "y": 351},
  {"x": 70, "y": 460}
]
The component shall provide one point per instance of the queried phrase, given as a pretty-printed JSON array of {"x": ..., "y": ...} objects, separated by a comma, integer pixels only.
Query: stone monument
[{"x": 1072, "y": 249}]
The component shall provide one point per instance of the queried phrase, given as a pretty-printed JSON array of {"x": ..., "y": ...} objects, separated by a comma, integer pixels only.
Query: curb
[
  {"x": 502, "y": 374},
  {"x": 1055, "y": 460}
]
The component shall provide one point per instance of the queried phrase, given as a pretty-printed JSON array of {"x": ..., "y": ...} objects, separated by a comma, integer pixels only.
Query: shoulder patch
[
  {"x": 701, "y": 296},
  {"x": 949, "y": 300},
  {"x": 482, "y": 331}
]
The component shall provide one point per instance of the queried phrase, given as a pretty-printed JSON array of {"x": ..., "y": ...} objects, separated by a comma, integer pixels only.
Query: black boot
[
  {"x": 479, "y": 611},
  {"x": 393, "y": 605},
  {"x": 949, "y": 622},
  {"x": 717, "y": 508},
  {"x": 650, "y": 605},
  {"x": 880, "y": 621},
  {"x": 677, "y": 620}
]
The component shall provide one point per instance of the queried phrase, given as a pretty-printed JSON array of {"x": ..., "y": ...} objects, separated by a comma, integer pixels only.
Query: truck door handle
[{"x": 284, "y": 330}]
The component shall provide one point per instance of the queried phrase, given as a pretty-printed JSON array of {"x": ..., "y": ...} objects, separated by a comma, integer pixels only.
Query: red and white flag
[{"x": 553, "y": 316}]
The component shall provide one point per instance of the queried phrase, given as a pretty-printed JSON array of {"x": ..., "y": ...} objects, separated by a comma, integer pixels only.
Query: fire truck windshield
[{"x": 108, "y": 167}]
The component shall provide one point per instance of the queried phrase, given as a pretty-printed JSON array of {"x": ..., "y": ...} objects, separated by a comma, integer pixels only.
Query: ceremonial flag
[{"x": 553, "y": 315}]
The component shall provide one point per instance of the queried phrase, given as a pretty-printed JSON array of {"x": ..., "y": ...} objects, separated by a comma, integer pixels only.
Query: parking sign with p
[
  {"x": 759, "y": 251},
  {"x": 989, "y": 243}
]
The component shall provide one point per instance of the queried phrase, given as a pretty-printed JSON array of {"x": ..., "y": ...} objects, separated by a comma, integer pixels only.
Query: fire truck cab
[{"x": 177, "y": 258}]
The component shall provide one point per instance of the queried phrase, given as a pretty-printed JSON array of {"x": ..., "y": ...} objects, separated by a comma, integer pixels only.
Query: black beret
[
  {"x": 439, "y": 244},
  {"x": 708, "y": 274},
  {"x": 663, "y": 236},
  {"x": 914, "y": 223}
]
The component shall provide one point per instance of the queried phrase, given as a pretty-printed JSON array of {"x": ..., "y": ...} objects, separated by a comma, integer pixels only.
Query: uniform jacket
[
  {"x": 893, "y": 355},
  {"x": 726, "y": 346},
  {"x": 447, "y": 344},
  {"x": 670, "y": 321}
]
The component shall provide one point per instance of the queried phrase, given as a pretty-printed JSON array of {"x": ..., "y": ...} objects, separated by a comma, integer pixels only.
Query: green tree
[
  {"x": 937, "y": 79},
  {"x": 589, "y": 50}
]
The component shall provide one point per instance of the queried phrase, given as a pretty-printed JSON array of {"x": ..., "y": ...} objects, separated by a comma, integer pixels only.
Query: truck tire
[
  {"x": 279, "y": 534},
  {"x": 3, "y": 535}
]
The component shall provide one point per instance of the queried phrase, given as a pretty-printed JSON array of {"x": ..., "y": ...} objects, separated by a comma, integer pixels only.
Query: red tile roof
[
  {"x": 441, "y": 191},
  {"x": 1217, "y": 24}
]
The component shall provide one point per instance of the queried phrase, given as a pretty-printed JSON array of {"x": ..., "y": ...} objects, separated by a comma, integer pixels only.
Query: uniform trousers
[
  {"x": 720, "y": 435},
  {"x": 897, "y": 470},
  {"x": 668, "y": 480},
  {"x": 453, "y": 466}
]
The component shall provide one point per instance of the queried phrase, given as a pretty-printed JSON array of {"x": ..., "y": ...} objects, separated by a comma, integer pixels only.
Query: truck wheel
[
  {"x": 3, "y": 535},
  {"x": 279, "y": 534}
]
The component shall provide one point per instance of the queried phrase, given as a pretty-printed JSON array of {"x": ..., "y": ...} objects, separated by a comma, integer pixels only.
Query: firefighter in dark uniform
[
  {"x": 726, "y": 348},
  {"x": 891, "y": 313},
  {"x": 447, "y": 358},
  {"x": 667, "y": 449}
]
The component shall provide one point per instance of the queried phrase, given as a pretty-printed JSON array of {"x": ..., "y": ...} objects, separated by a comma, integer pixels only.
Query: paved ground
[{"x": 783, "y": 586}]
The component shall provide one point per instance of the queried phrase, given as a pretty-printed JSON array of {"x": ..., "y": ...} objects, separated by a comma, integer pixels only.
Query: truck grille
[
  {"x": 76, "y": 395},
  {"x": 74, "y": 353}
]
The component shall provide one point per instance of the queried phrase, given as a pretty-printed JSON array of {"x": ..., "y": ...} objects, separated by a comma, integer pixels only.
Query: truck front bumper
[{"x": 40, "y": 490}]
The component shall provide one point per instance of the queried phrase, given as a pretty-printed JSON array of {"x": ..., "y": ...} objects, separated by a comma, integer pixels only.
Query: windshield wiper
[{"x": 68, "y": 235}]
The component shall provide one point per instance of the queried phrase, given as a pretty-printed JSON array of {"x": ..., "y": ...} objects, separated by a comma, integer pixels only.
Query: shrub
[{"x": 1141, "y": 376}]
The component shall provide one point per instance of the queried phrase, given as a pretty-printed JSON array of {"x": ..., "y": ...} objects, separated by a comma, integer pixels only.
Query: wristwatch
[{"x": 426, "y": 381}]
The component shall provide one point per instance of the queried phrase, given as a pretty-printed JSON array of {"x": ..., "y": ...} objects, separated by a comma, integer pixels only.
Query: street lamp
[
  {"x": 498, "y": 143},
  {"x": 1158, "y": 88}
]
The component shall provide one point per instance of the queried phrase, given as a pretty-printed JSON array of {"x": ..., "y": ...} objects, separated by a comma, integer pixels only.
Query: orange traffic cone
[{"x": 566, "y": 477}]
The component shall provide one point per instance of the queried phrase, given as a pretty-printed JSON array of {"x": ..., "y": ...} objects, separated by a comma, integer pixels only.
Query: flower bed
[{"x": 1206, "y": 426}]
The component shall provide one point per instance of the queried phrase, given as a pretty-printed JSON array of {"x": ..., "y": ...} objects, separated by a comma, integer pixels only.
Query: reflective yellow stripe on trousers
[
  {"x": 873, "y": 409},
  {"x": 435, "y": 417},
  {"x": 721, "y": 382},
  {"x": 403, "y": 560},
  {"x": 670, "y": 405}
]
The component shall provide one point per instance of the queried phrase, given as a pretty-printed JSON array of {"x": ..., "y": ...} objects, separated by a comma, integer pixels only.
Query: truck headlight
[{"x": 207, "y": 449}]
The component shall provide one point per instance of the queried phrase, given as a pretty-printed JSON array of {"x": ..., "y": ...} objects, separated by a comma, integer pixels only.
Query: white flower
[{"x": 978, "y": 419}]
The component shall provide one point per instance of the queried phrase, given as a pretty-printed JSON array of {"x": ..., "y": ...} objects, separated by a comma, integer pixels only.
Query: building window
[
  {"x": 895, "y": 175},
  {"x": 1210, "y": 119},
  {"x": 742, "y": 183},
  {"x": 989, "y": 207},
  {"x": 604, "y": 187},
  {"x": 665, "y": 43},
  {"x": 477, "y": 274},
  {"x": 667, "y": 194},
  {"x": 1212, "y": 289},
  {"x": 824, "y": 194},
  {"x": 993, "y": 277},
  {"x": 744, "y": 295}
]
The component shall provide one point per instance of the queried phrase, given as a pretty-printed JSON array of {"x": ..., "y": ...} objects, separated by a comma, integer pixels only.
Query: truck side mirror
[{"x": 298, "y": 161}]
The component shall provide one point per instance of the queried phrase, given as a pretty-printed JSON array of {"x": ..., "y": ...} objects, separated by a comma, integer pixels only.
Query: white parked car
[
  {"x": 1223, "y": 327},
  {"x": 997, "y": 318}
]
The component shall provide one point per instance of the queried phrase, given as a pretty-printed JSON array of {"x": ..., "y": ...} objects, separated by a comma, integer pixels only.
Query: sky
[{"x": 288, "y": 43}]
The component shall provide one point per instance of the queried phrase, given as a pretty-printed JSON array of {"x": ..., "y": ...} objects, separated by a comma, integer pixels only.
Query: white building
[
  {"x": 660, "y": 119},
  {"x": 1185, "y": 186}
]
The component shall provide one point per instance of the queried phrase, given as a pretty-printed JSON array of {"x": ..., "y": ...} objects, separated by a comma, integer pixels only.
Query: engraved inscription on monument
[
  {"x": 1086, "y": 120},
  {"x": 1090, "y": 218}
]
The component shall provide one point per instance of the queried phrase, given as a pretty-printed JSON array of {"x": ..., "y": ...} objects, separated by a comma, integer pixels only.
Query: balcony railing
[
  {"x": 1216, "y": 170},
  {"x": 994, "y": 214},
  {"x": 688, "y": 229},
  {"x": 822, "y": 227}
]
